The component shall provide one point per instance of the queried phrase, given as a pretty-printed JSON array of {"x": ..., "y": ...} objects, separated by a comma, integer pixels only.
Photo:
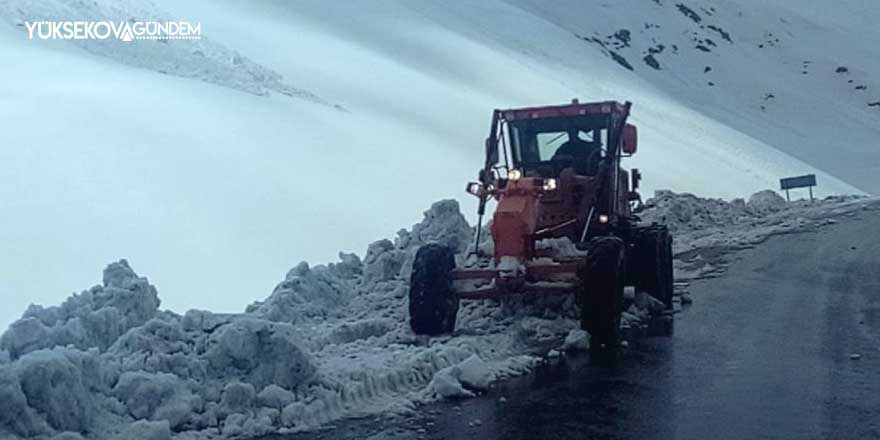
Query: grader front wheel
[{"x": 433, "y": 305}]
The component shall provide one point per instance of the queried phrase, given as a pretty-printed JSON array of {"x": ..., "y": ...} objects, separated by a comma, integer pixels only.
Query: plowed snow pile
[{"x": 331, "y": 341}]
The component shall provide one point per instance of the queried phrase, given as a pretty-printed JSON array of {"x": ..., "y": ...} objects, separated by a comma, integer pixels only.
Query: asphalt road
[{"x": 765, "y": 352}]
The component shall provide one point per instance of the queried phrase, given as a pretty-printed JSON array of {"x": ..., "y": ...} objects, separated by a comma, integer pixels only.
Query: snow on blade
[{"x": 331, "y": 341}]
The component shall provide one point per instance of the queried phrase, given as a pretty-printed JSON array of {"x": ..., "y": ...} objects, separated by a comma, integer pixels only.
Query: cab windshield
[{"x": 545, "y": 146}]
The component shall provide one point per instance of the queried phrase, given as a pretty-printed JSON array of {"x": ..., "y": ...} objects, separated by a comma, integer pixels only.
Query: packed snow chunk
[
  {"x": 349, "y": 266},
  {"x": 362, "y": 329},
  {"x": 61, "y": 384},
  {"x": 308, "y": 292},
  {"x": 160, "y": 345},
  {"x": 766, "y": 201},
  {"x": 25, "y": 335},
  {"x": 203, "y": 320},
  {"x": 443, "y": 224},
  {"x": 445, "y": 385},
  {"x": 276, "y": 397},
  {"x": 462, "y": 379},
  {"x": 561, "y": 247},
  {"x": 247, "y": 426},
  {"x": 475, "y": 373},
  {"x": 259, "y": 352},
  {"x": 577, "y": 340},
  {"x": 237, "y": 398},
  {"x": 233, "y": 425},
  {"x": 292, "y": 413},
  {"x": 146, "y": 430},
  {"x": 644, "y": 301},
  {"x": 15, "y": 414},
  {"x": 157, "y": 397},
  {"x": 67, "y": 435},
  {"x": 383, "y": 262},
  {"x": 686, "y": 212},
  {"x": 542, "y": 334},
  {"x": 94, "y": 318}
]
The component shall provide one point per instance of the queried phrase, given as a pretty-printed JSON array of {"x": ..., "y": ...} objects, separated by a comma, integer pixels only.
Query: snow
[
  {"x": 161, "y": 396},
  {"x": 58, "y": 385},
  {"x": 510, "y": 266},
  {"x": 577, "y": 340},
  {"x": 146, "y": 430},
  {"x": 260, "y": 351},
  {"x": 474, "y": 373},
  {"x": 463, "y": 379},
  {"x": 220, "y": 172},
  {"x": 562, "y": 247},
  {"x": 297, "y": 361},
  {"x": 274, "y": 396},
  {"x": 67, "y": 435},
  {"x": 199, "y": 59},
  {"x": 643, "y": 301},
  {"x": 94, "y": 318}
]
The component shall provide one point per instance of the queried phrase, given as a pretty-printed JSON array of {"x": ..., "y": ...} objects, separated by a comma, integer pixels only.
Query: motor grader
[{"x": 563, "y": 224}]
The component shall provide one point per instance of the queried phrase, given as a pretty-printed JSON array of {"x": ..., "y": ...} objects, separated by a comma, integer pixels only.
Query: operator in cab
[{"x": 584, "y": 154}]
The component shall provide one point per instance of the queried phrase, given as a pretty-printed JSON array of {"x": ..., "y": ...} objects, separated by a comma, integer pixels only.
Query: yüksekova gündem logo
[{"x": 109, "y": 30}]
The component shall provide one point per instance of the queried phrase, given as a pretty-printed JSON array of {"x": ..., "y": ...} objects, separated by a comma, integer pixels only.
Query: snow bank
[
  {"x": 331, "y": 341},
  {"x": 51, "y": 389},
  {"x": 260, "y": 352},
  {"x": 706, "y": 229},
  {"x": 145, "y": 430},
  {"x": 94, "y": 318},
  {"x": 686, "y": 212},
  {"x": 308, "y": 293}
]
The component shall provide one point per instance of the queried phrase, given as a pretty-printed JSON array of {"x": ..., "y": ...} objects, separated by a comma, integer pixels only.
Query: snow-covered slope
[
  {"x": 214, "y": 175},
  {"x": 801, "y": 76}
]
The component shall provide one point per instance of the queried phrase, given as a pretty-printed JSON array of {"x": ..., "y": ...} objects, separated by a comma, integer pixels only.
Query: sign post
[{"x": 790, "y": 183}]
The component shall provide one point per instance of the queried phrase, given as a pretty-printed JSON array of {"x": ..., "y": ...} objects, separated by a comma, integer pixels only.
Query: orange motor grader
[{"x": 563, "y": 223}]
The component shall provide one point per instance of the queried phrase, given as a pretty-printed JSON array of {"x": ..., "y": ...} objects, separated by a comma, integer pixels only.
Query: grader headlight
[{"x": 474, "y": 188}]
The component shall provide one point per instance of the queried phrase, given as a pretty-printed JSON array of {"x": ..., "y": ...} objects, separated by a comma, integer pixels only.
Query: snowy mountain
[{"x": 295, "y": 129}]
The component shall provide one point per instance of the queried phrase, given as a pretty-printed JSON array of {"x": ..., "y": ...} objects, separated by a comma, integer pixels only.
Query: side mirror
[
  {"x": 636, "y": 178},
  {"x": 630, "y": 139}
]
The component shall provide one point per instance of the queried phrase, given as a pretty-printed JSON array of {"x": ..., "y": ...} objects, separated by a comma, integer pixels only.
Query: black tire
[
  {"x": 602, "y": 277},
  {"x": 433, "y": 305},
  {"x": 652, "y": 263},
  {"x": 667, "y": 270}
]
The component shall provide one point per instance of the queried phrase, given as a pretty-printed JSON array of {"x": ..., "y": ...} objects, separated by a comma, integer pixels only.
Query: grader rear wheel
[
  {"x": 602, "y": 277},
  {"x": 652, "y": 263}
]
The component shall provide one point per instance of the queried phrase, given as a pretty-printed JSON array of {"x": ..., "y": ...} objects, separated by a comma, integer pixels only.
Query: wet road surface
[{"x": 765, "y": 352}]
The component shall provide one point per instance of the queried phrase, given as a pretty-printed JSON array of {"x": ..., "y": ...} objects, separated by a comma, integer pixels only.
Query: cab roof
[{"x": 567, "y": 110}]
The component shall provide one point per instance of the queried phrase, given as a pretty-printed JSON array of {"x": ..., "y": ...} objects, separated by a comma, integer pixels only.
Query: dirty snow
[{"x": 331, "y": 341}]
